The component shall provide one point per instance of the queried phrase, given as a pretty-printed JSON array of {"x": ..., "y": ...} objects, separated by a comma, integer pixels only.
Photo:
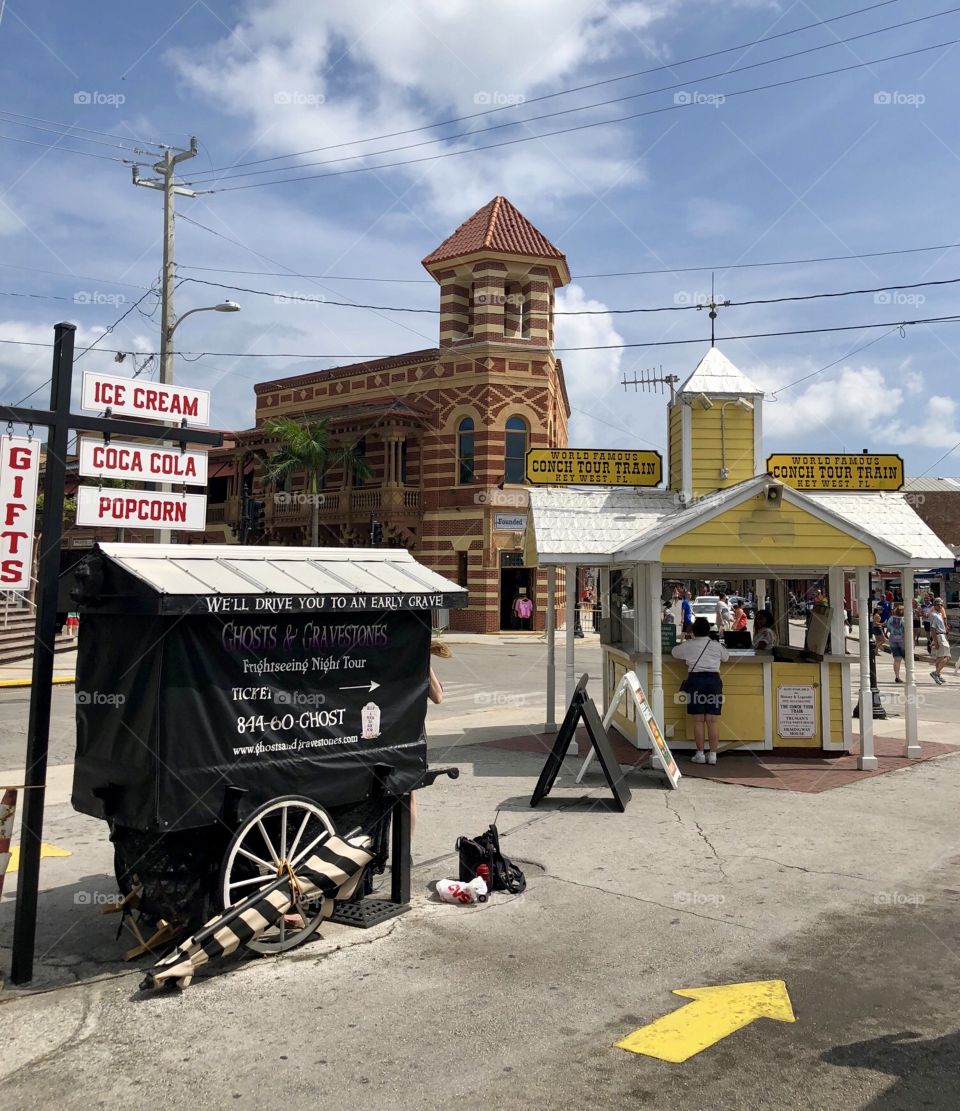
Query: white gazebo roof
[
  {"x": 572, "y": 526},
  {"x": 715, "y": 374},
  {"x": 621, "y": 526}
]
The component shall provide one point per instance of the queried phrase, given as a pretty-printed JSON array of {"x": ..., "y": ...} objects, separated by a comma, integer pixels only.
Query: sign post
[{"x": 59, "y": 419}]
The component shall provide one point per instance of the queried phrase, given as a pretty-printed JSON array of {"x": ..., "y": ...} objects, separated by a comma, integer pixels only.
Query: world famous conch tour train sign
[
  {"x": 837, "y": 472},
  {"x": 593, "y": 467}
]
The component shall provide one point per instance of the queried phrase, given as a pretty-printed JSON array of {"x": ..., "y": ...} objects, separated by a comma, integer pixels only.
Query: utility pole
[{"x": 166, "y": 168}]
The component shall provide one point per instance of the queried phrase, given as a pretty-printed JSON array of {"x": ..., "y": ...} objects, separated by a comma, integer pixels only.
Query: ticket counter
[{"x": 767, "y": 704}]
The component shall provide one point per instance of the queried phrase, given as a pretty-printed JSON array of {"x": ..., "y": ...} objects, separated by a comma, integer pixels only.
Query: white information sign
[
  {"x": 510, "y": 522},
  {"x": 142, "y": 462},
  {"x": 19, "y": 473},
  {"x": 147, "y": 509},
  {"x": 796, "y": 711},
  {"x": 629, "y": 687},
  {"x": 129, "y": 397}
]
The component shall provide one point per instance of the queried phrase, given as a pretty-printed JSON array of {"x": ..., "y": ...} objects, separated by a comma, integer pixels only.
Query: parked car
[{"x": 706, "y": 606}]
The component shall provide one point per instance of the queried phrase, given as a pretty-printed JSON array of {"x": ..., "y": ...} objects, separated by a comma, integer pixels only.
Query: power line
[
  {"x": 74, "y": 277},
  {"x": 282, "y": 296},
  {"x": 67, "y": 132},
  {"x": 588, "y": 107},
  {"x": 551, "y": 96},
  {"x": 71, "y": 150},
  {"x": 575, "y": 278},
  {"x": 77, "y": 127},
  {"x": 587, "y": 126},
  {"x": 890, "y": 324}
]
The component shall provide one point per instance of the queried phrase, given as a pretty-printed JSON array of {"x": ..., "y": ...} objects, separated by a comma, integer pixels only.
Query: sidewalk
[{"x": 18, "y": 674}]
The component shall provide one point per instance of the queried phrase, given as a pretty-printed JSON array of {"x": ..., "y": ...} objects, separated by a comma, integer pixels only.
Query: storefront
[{"x": 724, "y": 518}]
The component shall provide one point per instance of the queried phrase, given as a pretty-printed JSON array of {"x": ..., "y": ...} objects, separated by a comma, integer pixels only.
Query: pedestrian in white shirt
[
  {"x": 724, "y": 616},
  {"x": 704, "y": 688},
  {"x": 939, "y": 641}
]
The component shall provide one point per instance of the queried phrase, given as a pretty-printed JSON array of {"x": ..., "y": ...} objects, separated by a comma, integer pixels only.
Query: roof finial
[{"x": 713, "y": 304}]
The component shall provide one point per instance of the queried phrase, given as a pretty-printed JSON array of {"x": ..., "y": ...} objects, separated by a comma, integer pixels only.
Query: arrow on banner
[
  {"x": 371, "y": 686},
  {"x": 715, "y": 1014}
]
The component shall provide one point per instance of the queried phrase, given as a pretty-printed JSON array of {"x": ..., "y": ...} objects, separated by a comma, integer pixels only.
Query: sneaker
[
  {"x": 897, "y": 679},
  {"x": 711, "y": 757},
  {"x": 698, "y": 758},
  {"x": 936, "y": 678}
]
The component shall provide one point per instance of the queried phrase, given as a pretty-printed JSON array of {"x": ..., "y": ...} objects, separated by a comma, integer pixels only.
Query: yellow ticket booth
[{"x": 723, "y": 517}]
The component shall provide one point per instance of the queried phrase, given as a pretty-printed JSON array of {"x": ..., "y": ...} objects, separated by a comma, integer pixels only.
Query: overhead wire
[
  {"x": 67, "y": 132},
  {"x": 575, "y": 277},
  {"x": 562, "y": 92},
  {"x": 231, "y": 176},
  {"x": 71, "y": 150},
  {"x": 282, "y": 296},
  {"x": 891, "y": 324},
  {"x": 693, "y": 103},
  {"x": 89, "y": 130}
]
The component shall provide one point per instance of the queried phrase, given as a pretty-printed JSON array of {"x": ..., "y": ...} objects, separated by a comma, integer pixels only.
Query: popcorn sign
[{"x": 19, "y": 474}]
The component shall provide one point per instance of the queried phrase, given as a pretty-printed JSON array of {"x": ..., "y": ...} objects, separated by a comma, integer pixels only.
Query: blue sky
[{"x": 859, "y": 162}]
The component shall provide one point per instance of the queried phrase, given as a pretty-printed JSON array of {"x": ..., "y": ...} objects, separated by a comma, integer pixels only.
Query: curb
[{"x": 57, "y": 679}]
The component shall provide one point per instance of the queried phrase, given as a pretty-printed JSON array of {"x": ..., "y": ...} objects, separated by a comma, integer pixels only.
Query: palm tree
[{"x": 307, "y": 447}]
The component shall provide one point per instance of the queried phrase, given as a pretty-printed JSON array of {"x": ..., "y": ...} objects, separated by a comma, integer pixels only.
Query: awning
[{"x": 231, "y": 578}]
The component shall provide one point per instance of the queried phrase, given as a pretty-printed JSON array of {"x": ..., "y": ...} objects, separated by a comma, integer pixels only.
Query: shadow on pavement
[{"x": 927, "y": 1069}]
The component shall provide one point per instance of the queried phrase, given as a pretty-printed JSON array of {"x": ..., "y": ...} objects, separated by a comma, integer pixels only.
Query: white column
[
  {"x": 654, "y": 607},
  {"x": 867, "y": 761},
  {"x": 570, "y": 575},
  {"x": 551, "y": 634},
  {"x": 912, "y": 746},
  {"x": 760, "y": 589}
]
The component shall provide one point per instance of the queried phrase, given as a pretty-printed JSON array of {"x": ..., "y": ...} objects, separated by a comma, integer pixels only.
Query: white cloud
[
  {"x": 855, "y": 408},
  {"x": 324, "y": 75},
  {"x": 707, "y": 217},
  {"x": 602, "y": 416}
]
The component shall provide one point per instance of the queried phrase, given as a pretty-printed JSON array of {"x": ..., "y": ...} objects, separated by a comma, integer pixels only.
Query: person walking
[
  {"x": 917, "y": 621},
  {"x": 895, "y": 627},
  {"x": 940, "y": 643},
  {"x": 724, "y": 616},
  {"x": 926, "y": 609},
  {"x": 739, "y": 617},
  {"x": 704, "y": 688},
  {"x": 686, "y": 612}
]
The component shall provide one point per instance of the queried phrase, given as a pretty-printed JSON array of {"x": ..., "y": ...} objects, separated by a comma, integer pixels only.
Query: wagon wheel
[{"x": 282, "y": 831}]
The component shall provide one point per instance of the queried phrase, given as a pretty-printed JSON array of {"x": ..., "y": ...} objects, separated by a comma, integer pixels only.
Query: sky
[{"x": 726, "y": 164}]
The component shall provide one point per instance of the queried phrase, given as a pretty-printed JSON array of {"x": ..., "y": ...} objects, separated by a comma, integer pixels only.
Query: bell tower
[
  {"x": 497, "y": 275},
  {"x": 715, "y": 431}
]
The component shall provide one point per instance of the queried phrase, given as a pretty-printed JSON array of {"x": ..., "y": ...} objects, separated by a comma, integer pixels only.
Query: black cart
[{"x": 235, "y": 704}]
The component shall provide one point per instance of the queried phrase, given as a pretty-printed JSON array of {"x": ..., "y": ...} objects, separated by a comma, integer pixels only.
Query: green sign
[{"x": 668, "y": 634}]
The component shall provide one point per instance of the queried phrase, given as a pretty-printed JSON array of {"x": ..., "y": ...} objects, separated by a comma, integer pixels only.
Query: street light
[{"x": 166, "y": 367}]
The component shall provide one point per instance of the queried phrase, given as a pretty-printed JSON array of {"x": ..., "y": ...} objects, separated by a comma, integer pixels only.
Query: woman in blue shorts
[{"x": 703, "y": 656}]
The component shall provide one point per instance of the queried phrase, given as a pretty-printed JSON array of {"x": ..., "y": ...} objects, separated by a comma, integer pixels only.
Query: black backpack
[{"x": 485, "y": 849}]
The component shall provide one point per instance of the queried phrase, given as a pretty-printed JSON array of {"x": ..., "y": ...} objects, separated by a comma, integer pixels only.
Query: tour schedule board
[
  {"x": 593, "y": 467},
  {"x": 182, "y": 697},
  {"x": 837, "y": 472}
]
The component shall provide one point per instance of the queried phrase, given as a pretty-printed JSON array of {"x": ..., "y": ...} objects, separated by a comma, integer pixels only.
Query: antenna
[
  {"x": 651, "y": 380},
  {"x": 713, "y": 304}
]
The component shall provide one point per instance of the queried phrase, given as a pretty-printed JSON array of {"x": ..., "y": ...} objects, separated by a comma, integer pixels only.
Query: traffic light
[
  {"x": 257, "y": 514},
  {"x": 376, "y": 533}
]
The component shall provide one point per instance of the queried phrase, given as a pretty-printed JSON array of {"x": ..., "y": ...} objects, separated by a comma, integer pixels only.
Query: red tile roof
[{"x": 498, "y": 226}]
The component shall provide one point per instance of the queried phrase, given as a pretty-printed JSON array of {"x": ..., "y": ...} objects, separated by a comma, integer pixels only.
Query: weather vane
[{"x": 713, "y": 304}]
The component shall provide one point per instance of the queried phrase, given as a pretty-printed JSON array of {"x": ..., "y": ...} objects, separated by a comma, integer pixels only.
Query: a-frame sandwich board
[{"x": 582, "y": 708}]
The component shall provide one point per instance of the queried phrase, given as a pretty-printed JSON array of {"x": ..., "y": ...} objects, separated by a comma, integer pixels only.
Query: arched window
[
  {"x": 514, "y": 462},
  {"x": 465, "y": 451}
]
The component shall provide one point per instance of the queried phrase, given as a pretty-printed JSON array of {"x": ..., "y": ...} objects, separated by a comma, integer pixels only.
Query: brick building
[{"x": 444, "y": 430}]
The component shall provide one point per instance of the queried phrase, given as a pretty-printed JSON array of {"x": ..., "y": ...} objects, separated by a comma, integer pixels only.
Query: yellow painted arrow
[
  {"x": 45, "y": 851},
  {"x": 716, "y": 1013}
]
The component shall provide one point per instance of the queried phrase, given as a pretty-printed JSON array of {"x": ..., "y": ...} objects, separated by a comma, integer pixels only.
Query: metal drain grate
[{"x": 367, "y": 912}]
